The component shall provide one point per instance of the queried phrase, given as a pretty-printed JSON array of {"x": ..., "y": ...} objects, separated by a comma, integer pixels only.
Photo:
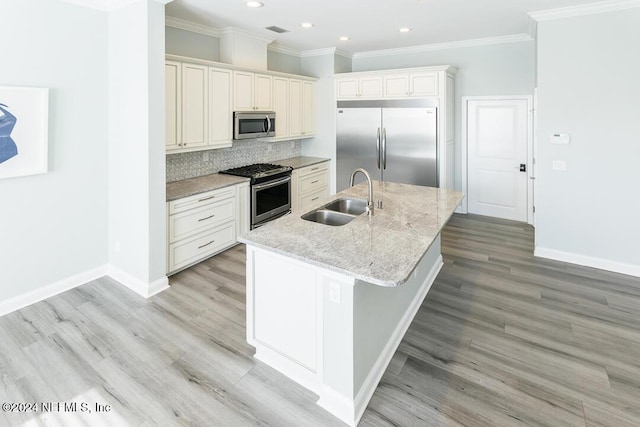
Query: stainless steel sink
[
  {"x": 349, "y": 206},
  {"x": 328, "y": 217}
]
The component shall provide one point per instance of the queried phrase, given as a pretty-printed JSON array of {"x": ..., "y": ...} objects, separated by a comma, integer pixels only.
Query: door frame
[{"x": 464, "y": 154}]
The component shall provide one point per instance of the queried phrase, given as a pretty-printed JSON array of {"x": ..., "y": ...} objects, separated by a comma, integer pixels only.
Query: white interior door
[{"x": 498, "y": 138}]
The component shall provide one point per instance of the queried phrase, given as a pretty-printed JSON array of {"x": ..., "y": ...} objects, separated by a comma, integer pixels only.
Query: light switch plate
[
  {"x": 559, "y": 165},
  {"x": 334, "y": 293}
]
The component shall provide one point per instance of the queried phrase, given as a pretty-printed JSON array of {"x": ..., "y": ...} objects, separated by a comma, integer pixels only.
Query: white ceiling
[{"x": 371, "y": 25}]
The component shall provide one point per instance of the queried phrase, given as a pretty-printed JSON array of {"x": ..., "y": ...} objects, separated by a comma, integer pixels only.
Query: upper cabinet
[
  {"x": 198, "y": 107},
  {"x": 252, "y": 91},
  {"x": 360, "y": 87},
  {"x": 411, "y": 85},
  {"x": 201, "y": 97}
]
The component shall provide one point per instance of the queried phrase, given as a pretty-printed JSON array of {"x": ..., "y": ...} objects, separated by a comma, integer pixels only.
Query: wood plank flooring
[{"x": 502, "y": 339}]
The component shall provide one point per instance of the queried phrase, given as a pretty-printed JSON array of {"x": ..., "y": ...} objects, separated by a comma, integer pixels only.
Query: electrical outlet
[
  {"x": 293, "y": 145},
  {"x": 559, "y": 165},
  {"x": 334, "y": 293},
  {"x": 269, "y": 148},
  {"x": 205, "y": 156}
]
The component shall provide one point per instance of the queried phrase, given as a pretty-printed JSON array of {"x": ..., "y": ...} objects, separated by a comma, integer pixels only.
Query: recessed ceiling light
[
  {"x": 405, "y": 30},
  {"x": 344, "y": 38},
  {"x": 254, "y": 3},
  {"x": 306, "y": 25}
]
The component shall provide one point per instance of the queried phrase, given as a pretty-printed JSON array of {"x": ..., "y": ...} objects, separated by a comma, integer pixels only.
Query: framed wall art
[{"x": 24, "y": 126}]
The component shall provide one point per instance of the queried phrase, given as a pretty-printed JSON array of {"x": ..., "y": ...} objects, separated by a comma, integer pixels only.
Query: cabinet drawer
[
  {"x": 313, "y": 199},
  {"x": 189, "y": 251},
  {"x": 314, "y": 182},
  {"x": 193, "y": 221},
  {"x": 201, "y": 199},
  {"x": 313, "y": 169}
]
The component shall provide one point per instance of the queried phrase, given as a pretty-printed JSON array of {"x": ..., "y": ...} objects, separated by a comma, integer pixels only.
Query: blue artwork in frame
[
  {"x": 24, "y": 126},
  {"x": 8, "y": 147}
]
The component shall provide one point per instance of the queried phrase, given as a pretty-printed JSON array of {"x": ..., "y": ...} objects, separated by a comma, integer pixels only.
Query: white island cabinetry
[{"x": 328, "y": 305}]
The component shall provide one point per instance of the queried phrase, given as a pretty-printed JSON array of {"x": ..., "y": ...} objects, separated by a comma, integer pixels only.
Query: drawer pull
[
  {"x": 314, "y": 169},
  {"x": 207, "y": 198},
  {"x": 315, "y": 198},
  {"x": 204, "y": 219},
  {"x": 313, "y": 182},
  {"x": 206, "y": 244}
]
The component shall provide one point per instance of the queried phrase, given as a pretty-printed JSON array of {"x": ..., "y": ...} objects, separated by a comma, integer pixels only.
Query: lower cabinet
[
  {"x": 202, "y": 225},
  {"x": 308, "y": 185}
]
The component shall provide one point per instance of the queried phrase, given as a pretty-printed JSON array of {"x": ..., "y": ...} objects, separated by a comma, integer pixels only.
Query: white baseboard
[
  {"x": 53, "y": 289},
  {"x": 375, "y": 374},
  {"x": 587, "y": 261},
  {"x": 138, "y": 286}
]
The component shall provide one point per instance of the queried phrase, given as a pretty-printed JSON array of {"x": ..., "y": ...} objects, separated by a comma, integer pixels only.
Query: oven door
[{"x": 270, "y": 200}]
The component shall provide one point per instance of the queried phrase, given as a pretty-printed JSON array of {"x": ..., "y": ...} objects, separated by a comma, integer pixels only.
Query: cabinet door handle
[
  {"x": 206, "y": 244},
  {"x": 204, "y": 219},
  {"x": 207, "y": 198},
  {"x": 313, "y": 182},
  {"x": 315, "y": 198}
]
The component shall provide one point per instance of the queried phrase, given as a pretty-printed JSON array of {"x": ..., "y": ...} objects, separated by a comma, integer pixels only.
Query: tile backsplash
[{"x": 198, "y": 163}]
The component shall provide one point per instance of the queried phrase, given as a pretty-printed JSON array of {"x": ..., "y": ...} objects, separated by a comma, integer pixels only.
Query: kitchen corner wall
[{"x": 198, "y": 163}]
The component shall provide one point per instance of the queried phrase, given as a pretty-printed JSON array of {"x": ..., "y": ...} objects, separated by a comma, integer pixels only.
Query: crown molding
[
  {"x": 285, "y": 50},
  {"x": 181, "y": 24},
  {"x": 231, "y": 31},
  {"x": 108, "y": 5},
  {"x": 585, "y": 9},
  {"x": 326, "y": 51},
  {"x": 514, "y": 38}
]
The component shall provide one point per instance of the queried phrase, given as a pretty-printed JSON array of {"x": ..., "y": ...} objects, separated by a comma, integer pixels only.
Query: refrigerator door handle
[
  {"x": 378, "y": 148},
  {"x": 384, "y": 148}
]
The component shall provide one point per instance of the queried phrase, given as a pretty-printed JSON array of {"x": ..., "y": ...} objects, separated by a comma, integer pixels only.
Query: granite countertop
[
  {"x": 300, "y": 161},
  {"x": 189, "y": 187},
  {"x": 383, "y": 249}
]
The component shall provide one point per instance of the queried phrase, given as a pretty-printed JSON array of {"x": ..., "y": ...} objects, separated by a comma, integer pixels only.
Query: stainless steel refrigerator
[{"x": 395, "y": 141}]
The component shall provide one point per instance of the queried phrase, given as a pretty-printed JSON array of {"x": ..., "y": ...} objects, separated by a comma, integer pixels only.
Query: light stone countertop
[
  {"x": 189, "y": 187},
  {"x": 300, "y": 161},
  {"x": 383, "y": 249}
]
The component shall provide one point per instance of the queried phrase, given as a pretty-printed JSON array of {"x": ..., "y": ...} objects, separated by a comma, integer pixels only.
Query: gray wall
[
  {"x": 589, "y": 86},
  {"x": 193, "y": 45},
  {"x": 277, "y": 61},
  {"x": 498, "y": 69},
  {"x": 55, "y": 225}
]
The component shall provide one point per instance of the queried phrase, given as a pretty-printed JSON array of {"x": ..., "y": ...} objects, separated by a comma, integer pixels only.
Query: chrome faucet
[{"x": 370, "y": 197}]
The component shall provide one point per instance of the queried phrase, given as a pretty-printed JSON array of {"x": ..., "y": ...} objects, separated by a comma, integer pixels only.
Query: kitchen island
[{"x": 328, "y": 305}]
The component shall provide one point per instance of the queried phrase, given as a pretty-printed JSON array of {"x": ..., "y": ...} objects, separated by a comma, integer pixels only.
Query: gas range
[
  {"x": 260, "y": 172},
  {"x": 270, "y": 190}
]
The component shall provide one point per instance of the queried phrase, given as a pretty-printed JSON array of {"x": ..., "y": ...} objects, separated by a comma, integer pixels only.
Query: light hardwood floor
[{"x": 503, "y": 339}]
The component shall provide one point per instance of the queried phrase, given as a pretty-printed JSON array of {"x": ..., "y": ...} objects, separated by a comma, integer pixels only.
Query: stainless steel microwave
[{"x": 255, "y": 124}]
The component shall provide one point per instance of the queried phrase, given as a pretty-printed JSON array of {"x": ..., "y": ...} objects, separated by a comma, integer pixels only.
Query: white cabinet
[
  {"x": 202, "y": 225},
  {"x": 194, "y": 105},
  {"x": 308, "y": 108},
  {"x": 411, "y": 85},
  {"x": 173, "y": 93},
  {"x": 359, "y": 87},
  {"x": 294, "y": 105},
  {"x": 281, "y": 90},
  {"x": 198, "y": 107},
  {"x": 220, "y": 110},
  {"x": 252, "y": 91},
  {"x": 309, "y": 185}
]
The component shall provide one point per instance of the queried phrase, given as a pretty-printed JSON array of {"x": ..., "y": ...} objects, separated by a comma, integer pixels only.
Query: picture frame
[{"x": 24, "y": 131}]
